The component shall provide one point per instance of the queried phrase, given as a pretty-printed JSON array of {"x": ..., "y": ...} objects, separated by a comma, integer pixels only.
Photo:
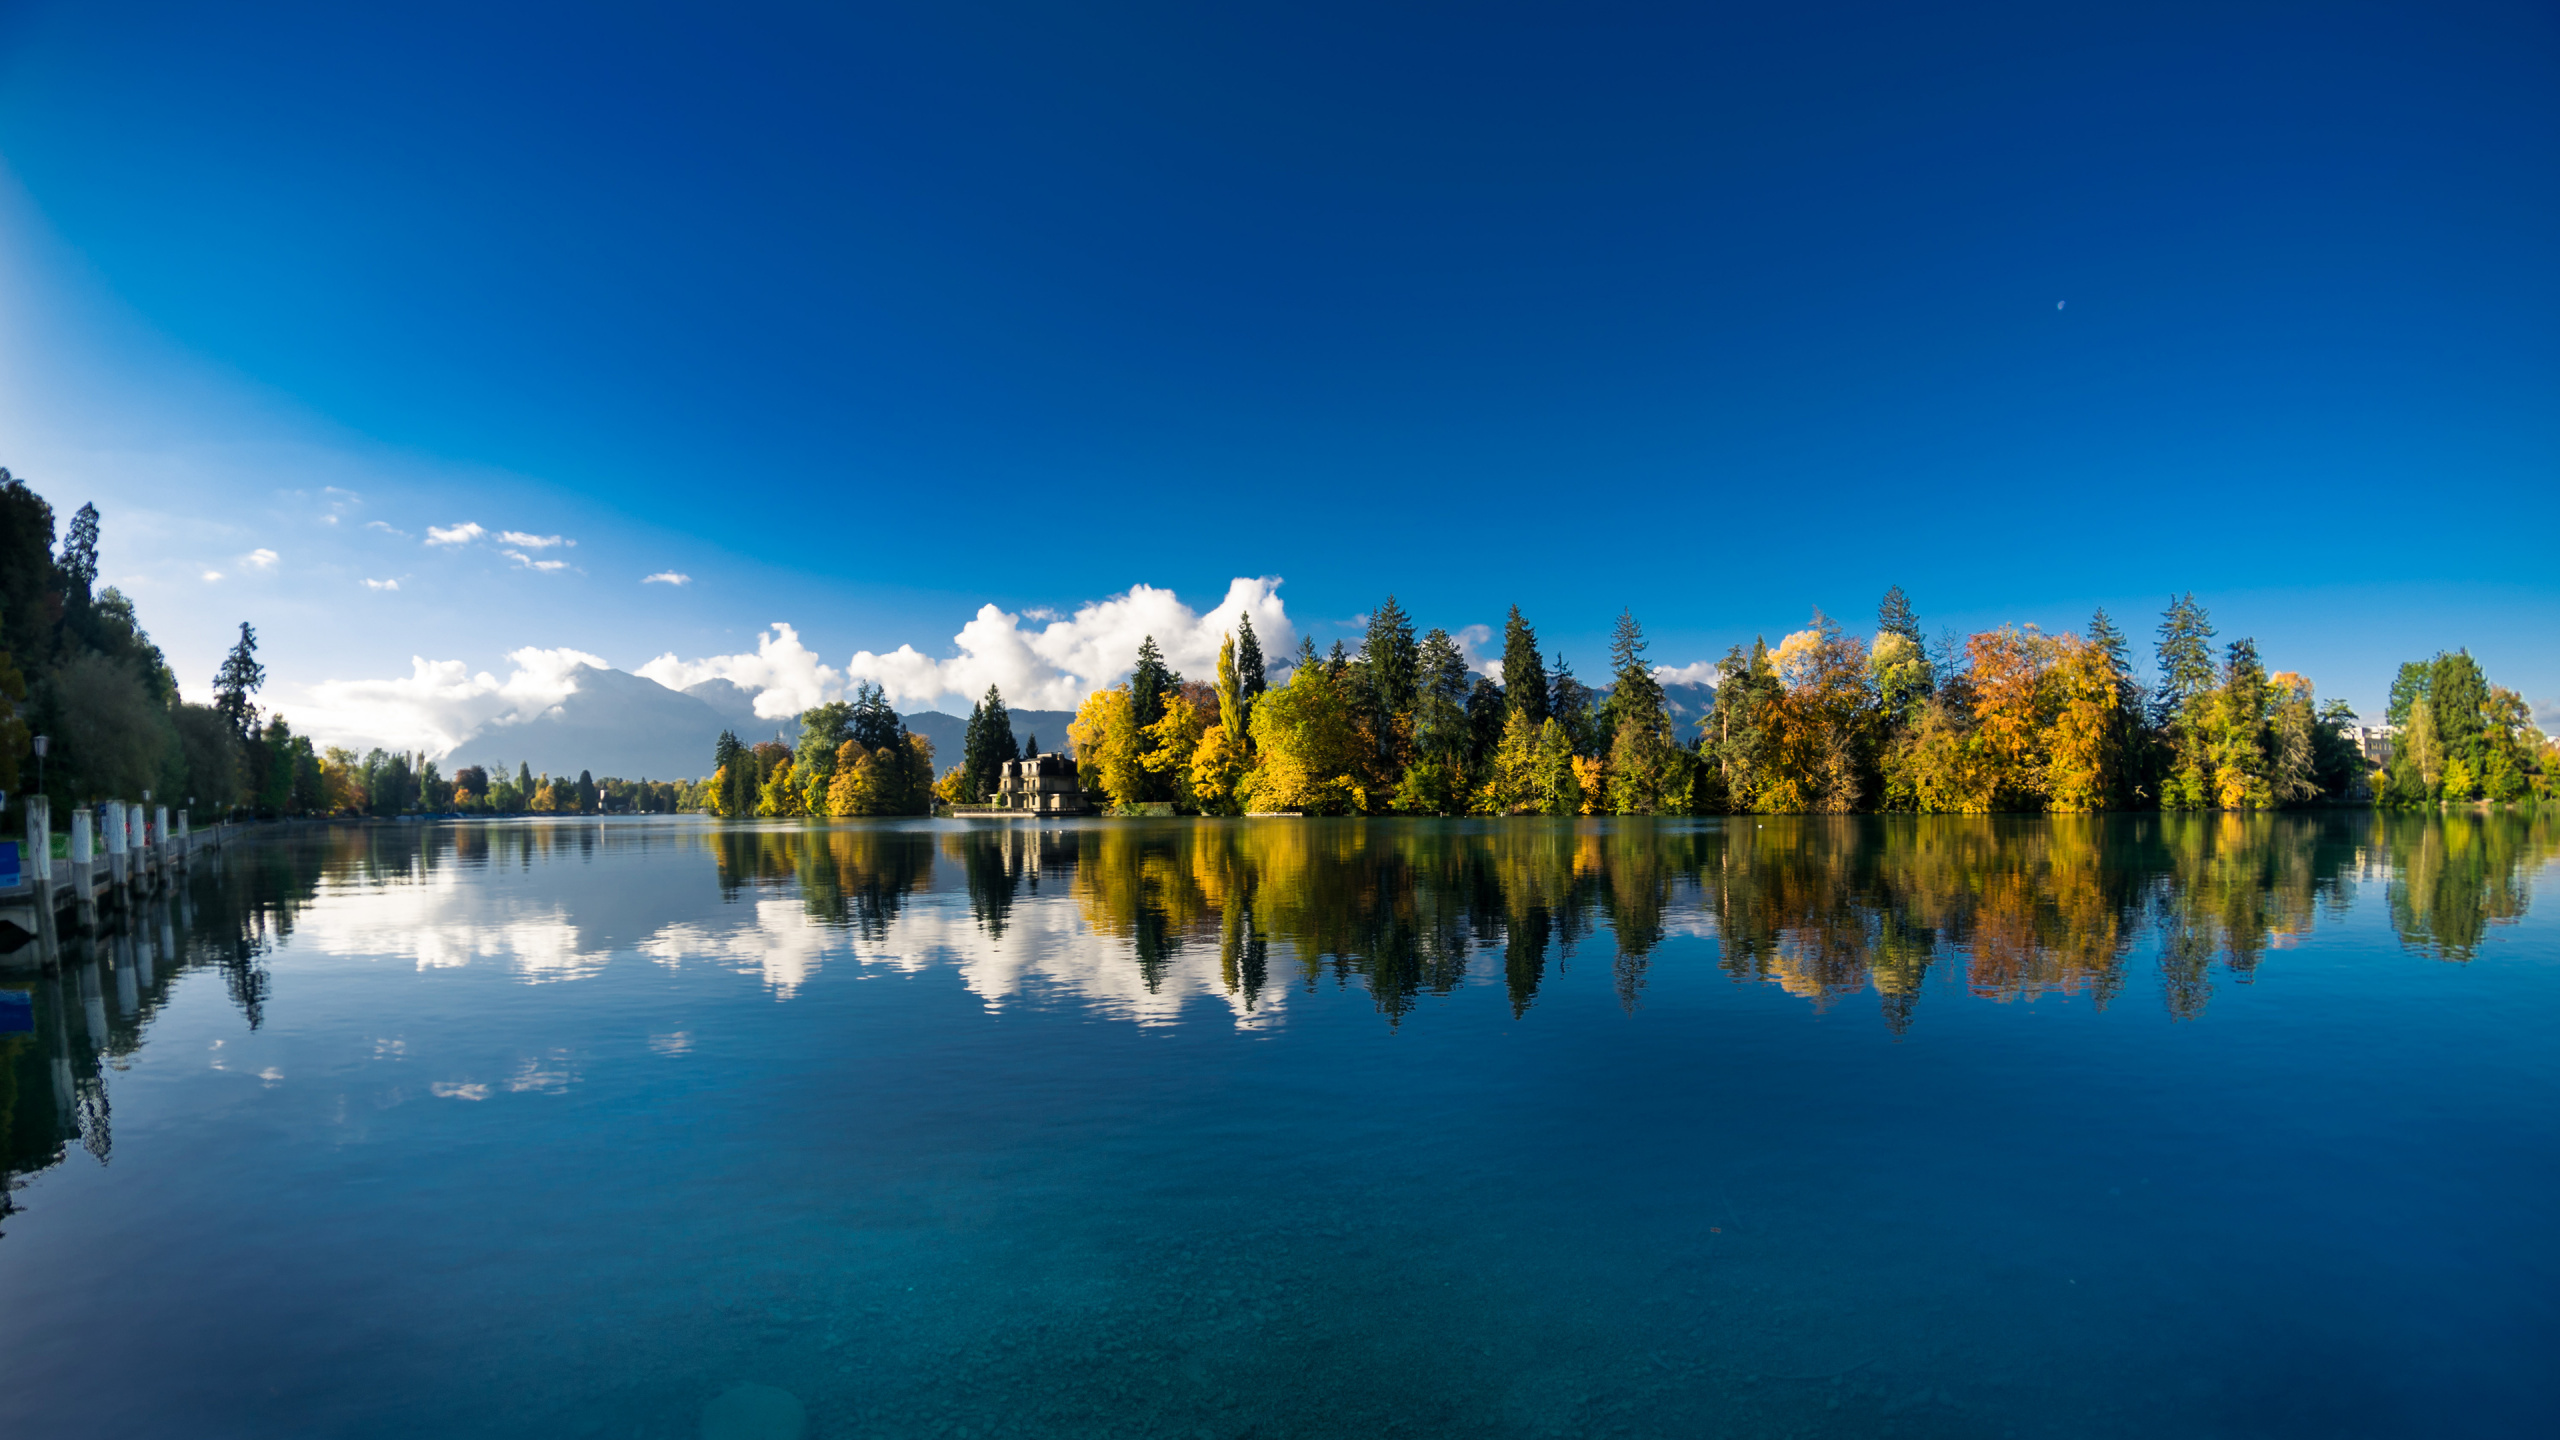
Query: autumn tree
[{"x": 1307, "y": 746}]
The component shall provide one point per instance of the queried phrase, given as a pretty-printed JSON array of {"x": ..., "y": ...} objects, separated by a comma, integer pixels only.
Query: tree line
[
  {"x": 853, "y": 758},
  {"x": 77, "y": 668},
  {"x": 2013, "y": 719}
]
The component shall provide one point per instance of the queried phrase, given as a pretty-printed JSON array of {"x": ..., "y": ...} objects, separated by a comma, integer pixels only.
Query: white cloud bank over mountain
[
  {"x": 442, "y": 704},
  {"x": 1055, "y": 666}
]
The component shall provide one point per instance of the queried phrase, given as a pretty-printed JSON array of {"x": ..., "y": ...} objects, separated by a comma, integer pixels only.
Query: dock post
[
  {"x": 39, "y": 861},
  {"x": 84, "y": 861},
  {"x": 111, "y": 820}
]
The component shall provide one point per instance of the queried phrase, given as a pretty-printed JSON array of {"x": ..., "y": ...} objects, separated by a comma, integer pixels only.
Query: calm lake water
[{"x": 2211, "y": 1126}]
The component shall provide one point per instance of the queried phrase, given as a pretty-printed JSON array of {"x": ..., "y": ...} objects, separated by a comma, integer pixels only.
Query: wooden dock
[{"x": 118, "y": 852}]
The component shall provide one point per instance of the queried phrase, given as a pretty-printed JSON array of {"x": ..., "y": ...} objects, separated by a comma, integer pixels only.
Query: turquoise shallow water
[{"x": 2141, "y": 1126}]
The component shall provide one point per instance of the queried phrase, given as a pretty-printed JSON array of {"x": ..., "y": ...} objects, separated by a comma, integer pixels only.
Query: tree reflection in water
[{"x": 1822, "y": 907}]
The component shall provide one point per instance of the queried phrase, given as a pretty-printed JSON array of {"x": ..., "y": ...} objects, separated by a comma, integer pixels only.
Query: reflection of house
[{"x": 1041, "y": 784}]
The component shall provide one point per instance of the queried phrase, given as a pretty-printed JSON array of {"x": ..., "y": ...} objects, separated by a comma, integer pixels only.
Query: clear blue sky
[{"x": 863, "y": 316}]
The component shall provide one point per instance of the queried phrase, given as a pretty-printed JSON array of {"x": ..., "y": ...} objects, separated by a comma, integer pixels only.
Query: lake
[{"x": 2155, "y": 1125}]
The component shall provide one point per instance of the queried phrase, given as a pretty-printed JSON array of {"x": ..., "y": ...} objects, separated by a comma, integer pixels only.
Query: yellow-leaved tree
[
  {"x": 1109, "y": 749},
  {"x": 2080, "y": 743},
  {"x": 1307, "y": 746}
]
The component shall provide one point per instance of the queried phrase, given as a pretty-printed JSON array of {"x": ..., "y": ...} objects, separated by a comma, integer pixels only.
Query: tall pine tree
[
  {"x": 1148, "y": 684},
  {"x": 1524, "y": 675},
  {"x": 237, "y": 680}
]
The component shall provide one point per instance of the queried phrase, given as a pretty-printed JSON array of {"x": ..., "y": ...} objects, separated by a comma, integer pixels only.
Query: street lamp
[{"x": 43, "y": 743}]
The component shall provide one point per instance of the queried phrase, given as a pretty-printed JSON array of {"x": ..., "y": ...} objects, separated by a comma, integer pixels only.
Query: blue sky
[{"x": 865, "y": 317}]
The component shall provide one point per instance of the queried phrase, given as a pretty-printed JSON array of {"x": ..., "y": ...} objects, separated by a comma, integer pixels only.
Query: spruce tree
[
  {"x": 1894, "y": 616},
  {"x": 1148, "y": 684},
  {"x": 237, "y": 680},
  {"x": 1249, "y": 665},
  {"x": 1524, "y": 675},
  {"x": 874, "y": 722},
  {"x": 2186, "y": 658},
  {"x": 1392, "y": 662},
  {"x": 79, "y": 563},
  {"x": 973, "y": 753},
  {"x": 1637, "y": 696},
  {"x": 991, "y": 732}
]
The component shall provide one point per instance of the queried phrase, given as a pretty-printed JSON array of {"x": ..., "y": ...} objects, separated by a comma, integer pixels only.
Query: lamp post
[{"x": 43, "y": 743}]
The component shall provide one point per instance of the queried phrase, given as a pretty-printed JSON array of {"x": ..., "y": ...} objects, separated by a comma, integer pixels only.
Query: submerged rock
[{"x": 755, "y": 1412}]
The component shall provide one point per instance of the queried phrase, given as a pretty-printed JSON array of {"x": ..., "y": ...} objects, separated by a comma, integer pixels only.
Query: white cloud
[
  {"x": 1471, "y": 642},
  {"x": 260, "y": 559},
  {"x": 462, "y": 534},
  {"x": 382, "y": 584},
  {"x": 211, "y": 575},
  {"x": 530, "y": 563},
  {"x": 788, "y": 673},
  {"x": 530, "y": 542},
  {"x": 667, "y": 577},
  {"x": 385, "y": 529},
  {"x": 1057, "y": 665},
  {"x": 1701, "y": 673},
  {"x": 440, "y": 703}
]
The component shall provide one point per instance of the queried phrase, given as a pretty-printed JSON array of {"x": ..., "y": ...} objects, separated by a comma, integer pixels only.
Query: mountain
[
  {"x": 1690, "y": 703},
  {"x": 631, "y": 727},
  {"x": 613, "y": 723},
  {"x": 950, "y": 733}
]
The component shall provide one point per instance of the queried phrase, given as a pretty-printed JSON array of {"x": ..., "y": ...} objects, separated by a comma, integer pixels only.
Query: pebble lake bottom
[{"x": 2132, "y": 1126}]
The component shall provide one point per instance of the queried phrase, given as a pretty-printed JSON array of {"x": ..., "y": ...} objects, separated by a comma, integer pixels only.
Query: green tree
[
  {"x": 1524, "y": 675},
  {"x": 1391, "y": 664},
  {"x": 2182, "y": 707},
  {"x": 240, "y": 677},
  {"x": 988, "y": 745},
  {"x": 1249, "y": 664}
]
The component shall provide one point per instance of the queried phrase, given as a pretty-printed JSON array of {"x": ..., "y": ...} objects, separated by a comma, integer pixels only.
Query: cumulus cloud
[
  {"x": 382, "y": 584},
  {"x": 212, "y": 575},
  {"x": 440, "y": 703},
  {"x": 1701, "y": 673},
  {"x": 462, "y": 534},
  {"x": 1056, "y": 665},
  {"x": 667, "y": 577},
  {"x": 787, "y": 673},
  {"x": 1471, "y": 642},
  {"x": 530, "y": 563},
  {"x": 532, "y": 542},
  {"x": 260, "y": 559},
  {"x": 385, "y": 529}
]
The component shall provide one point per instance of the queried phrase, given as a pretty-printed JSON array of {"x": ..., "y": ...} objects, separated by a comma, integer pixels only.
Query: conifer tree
[
  {"x": 1894, "y": 617},
  {"x": 1148, "y": 684},
  {"x": 1392, "y": 663},
  {"x": 1904, "y": 677},
  {"x": 989, "y": 744},
  {"x": 973, "y": 753},
  {"x": 1569, "y": 705},
  {"x": 79, "y": 563},
  {"x": 1249, "y": 664},
  {"x": 239, "y": 678},
  {"x": 2183, "y": 704},
  {"x": 1524, "y": 675}
]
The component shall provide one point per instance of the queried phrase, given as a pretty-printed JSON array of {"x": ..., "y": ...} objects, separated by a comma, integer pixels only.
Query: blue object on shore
[
  {"x": 9, "y": 862},
  {"x": 17, "y": 1012}
]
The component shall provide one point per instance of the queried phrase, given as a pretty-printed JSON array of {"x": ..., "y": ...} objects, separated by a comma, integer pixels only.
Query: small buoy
[{"x": 755, "y": 1412}]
